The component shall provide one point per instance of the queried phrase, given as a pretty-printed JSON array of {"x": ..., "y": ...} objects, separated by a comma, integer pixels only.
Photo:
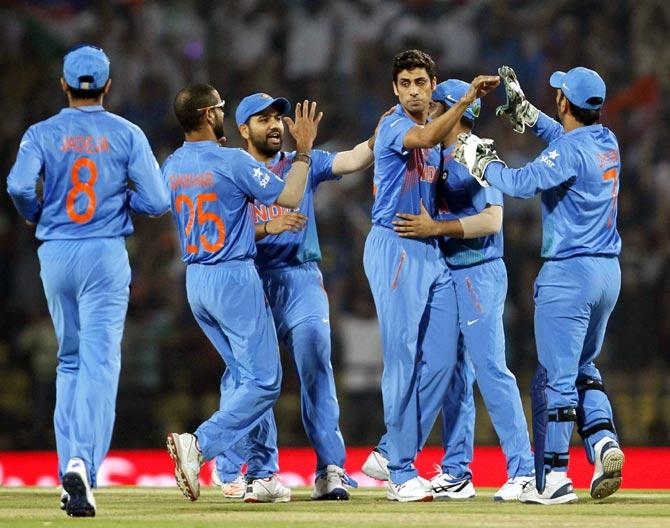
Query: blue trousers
[
  {"x": 416, "y": 307},
  {"x": 480, "y": 293},
  {"x": 228, "y": 303},
  {"x": 573, "y": 301},
  {"x": 301, "y": 314},
  {"x": 86, "y": 283}
]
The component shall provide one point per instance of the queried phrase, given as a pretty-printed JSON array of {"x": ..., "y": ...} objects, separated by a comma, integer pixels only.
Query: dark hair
[
  {"x": 78, "y": 93},
  {"x": 467, "y": 123},
  {"x": 188, "y": 100},
  {"x": 411, "y": 59},
  {"x": 583, "y": 115}
]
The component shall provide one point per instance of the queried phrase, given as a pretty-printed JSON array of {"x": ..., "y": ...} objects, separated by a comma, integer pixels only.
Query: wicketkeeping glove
[
  {"x": 517, "y": 108},
  {"x": 476, "y": 153}
]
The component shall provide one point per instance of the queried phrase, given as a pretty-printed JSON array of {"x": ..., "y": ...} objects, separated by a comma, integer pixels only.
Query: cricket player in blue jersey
[
  {"x": 469, "y": 222},
  {"x": 213, "y": 191},
  {"x": 85, "y": 157},
  {"x": 410, "y": 282},
  {"x": 577, "y": 175},
  {"x": 287, "y": 259}
]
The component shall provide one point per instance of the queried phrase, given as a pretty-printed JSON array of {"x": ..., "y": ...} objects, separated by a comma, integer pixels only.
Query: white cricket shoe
[
  {"x": 231, "y": 490},
  {"x": 557, "y": 490},
  {"x": 184, "y": 451},
  {"x": 446, "y": 487},
  {"x": 268, "y": 489},
  {"x": 80, "y": 501},
  {"x": 331, "y": 485},
  {"x": 607, "y": 473},
  {"x": 416, "y": 489},
  {"x": 511, "y": 490},
  {"x": 376, "y": 466}
]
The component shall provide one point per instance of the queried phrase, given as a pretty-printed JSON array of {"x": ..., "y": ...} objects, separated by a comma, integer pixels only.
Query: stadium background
[{"x": 338, "y": 53}]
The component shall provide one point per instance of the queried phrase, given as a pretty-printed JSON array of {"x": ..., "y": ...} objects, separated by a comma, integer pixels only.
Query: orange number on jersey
[
  {"x": 613, "y": 175},
  {"x": 203, "y": 217},
  {"x": 82, "y": 187}
]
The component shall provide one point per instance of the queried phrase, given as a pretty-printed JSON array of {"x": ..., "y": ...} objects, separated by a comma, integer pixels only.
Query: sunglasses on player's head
[{"x": 220, "y": 104}]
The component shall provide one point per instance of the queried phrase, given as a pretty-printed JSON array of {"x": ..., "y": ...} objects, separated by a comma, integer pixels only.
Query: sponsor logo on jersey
[
  {"x": 549, "y": 157},
  {"x": 263, "y": 178}
]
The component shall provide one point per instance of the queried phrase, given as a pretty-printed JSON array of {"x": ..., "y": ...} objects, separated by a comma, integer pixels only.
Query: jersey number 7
[
  {"x": 202, "y": 216},
  {"x": 612, "y": 174}
]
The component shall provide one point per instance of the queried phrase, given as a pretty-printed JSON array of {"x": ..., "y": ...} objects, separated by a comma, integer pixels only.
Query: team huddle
[{"x": 246, "y": 224}]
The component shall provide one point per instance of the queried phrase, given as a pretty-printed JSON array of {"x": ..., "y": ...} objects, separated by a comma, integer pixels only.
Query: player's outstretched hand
[
  {"x": 517, "y": 108},
  {"x": 476, "y": 154},
  {"x": 293, "y": 221},
  {"x": 415, "y": 226},
  {"x": 305, "y": 126},
  {"x": 480, "y": 86}
]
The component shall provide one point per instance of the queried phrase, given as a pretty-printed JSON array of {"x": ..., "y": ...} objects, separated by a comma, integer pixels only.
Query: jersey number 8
[{"x": 79, "y": 187}]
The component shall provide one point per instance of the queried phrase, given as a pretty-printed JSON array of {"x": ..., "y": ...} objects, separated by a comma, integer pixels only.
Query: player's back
[
  {"x": 86, "y": 154},
  {"x": 579, "y": 216},
  {"x": 212, "y": 190}
]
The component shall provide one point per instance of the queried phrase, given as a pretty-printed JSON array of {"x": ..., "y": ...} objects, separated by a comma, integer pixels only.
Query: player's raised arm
[
  {"x": 435, "y": 131},
  {"x": 303, "y": 130},
  {"x": 361, "y": 156}
]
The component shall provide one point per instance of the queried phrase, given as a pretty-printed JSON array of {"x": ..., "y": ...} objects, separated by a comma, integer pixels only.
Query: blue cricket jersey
[
  {"x": 86, "y": 157},
  {"x": 403, "y": 177},
  {"x": 212, "y": 190},
  {"x": 459, "y": 195},
  {"x": 288, "y": 248},
  {"x": 578, "y": 176}
]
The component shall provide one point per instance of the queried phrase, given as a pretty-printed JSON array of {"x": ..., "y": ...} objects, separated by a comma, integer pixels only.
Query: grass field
[{"x": 151, "y": 507}]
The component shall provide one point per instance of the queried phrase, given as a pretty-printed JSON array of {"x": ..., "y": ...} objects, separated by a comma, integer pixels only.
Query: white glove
[
  {"x": 517, "y": 108},
  {"x": 476, "y": 154}
]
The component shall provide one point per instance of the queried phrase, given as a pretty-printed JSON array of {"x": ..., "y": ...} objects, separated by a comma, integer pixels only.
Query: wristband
[{"x": 306, "y": 158}]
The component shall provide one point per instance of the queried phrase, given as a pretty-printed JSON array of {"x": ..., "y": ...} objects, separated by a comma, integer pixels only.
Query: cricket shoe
[
  {"x": 64, "y": 497},
  {"x": 445, "y": 487},
  {"x": 511, "y": 490},
  {"x": 607, "y": 473},
  {"x": 184, "y": 451},
  {"x": 268, "y": 489},
  {"x": 233, "y": 489},
  {"x": 416, "y": 489},
  {"x": 331, "y": 484},
  {"x": 376, "y": 466},
  {"x": 80, "y": 501},
  {"x": 557, "y": 490}
]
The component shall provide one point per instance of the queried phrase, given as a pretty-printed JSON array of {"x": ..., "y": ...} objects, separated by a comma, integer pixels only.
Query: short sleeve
[
  {"x": 393, "y": 132},
  {"x": 255, "y": 179},
  {"x": 322, "y": 167}
]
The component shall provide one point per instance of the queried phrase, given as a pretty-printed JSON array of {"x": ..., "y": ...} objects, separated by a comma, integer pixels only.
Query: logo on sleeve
[
  {"x": 549, "y": 158},
  {"x": 263, "y": 179}
]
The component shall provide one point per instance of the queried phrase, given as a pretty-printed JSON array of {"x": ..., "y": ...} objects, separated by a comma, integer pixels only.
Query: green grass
[{"x": 151, "y": 507}]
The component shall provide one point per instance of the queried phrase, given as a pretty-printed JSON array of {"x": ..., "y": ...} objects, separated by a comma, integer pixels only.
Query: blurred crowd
[{"x": 337, "y": 52}]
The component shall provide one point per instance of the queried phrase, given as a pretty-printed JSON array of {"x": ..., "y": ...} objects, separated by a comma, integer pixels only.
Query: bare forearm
[
  {"x": 295, "y": 185},
  {"x": 485, "y": 223},
  {"x": 435, "y": 131},
  {"x": 358, "y": 158}
]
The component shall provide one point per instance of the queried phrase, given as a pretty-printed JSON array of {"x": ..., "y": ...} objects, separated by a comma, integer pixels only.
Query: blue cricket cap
[
  {"x": 255, "y": 103},
  {"x": 86, "y": 67},
  {"x": 579, "y": 85},
  {"x": 451, "y": 91}
]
